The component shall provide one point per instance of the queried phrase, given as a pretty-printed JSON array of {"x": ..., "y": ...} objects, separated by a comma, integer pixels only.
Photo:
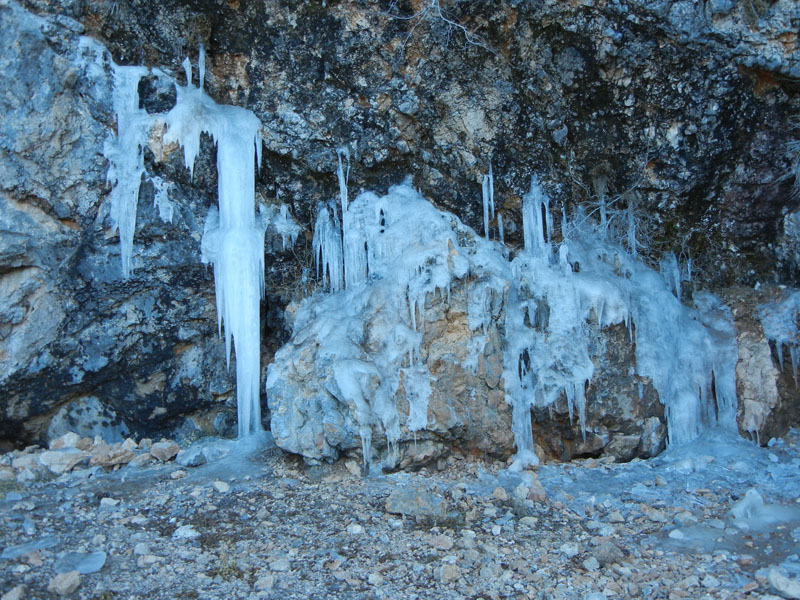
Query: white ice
[{"x": 398, "y": 250}]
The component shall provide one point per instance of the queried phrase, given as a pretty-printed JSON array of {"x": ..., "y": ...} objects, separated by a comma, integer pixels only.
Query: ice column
[
  {"x": 125, "y": 157},
  {"x": 233, "y": 239}
]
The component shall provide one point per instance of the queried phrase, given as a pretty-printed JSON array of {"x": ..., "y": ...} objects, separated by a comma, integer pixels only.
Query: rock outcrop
[{"x": 685, "y": 110}]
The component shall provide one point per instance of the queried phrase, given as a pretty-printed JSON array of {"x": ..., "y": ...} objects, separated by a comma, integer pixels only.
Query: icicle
[
  {"x": 500, "y": 229},
  {"x": 537, "y": 224},
  {"x": 600, "y": 188},
  {"x": 201, "y": 67},
  {"x": 327, "y": 248},
  {"x": 631, "y": 229},
  {"x": 187, "y": 69},
  {"x": 126, "y": 158},
  {"x": 236, "y": 246},
  {"x": 343, "y": 174},
  {"x": 488, "y": 200}
]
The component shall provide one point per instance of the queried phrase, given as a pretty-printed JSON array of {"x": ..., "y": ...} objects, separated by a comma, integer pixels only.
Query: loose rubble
[{"x": 262, "y": 524}]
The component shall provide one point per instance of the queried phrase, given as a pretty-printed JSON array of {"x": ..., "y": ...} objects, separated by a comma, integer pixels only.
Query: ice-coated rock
[{"x": 83, "y": 562}]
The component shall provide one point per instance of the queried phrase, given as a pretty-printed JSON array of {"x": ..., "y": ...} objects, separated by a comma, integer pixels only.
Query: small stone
[
  {"x": 497, "y": 530},
  {"x": 62, "y": 461},
  {"x": 375, "y": 579},
  {"x": 591, "y": 564},
  {"x": 185, "y": 532},
  {"x": 710, "y": 582},
  {"x": 177, "y": 474},
  {"x": 355, "y": 529},
  {"x": 449, "y": 573},
  {"x": 660, "y": 481},
  {"x": 141, "y": 549},
  {"x": 677, "y": 534},
  {"x": 788, "y": 588},
  {"x": 353, "y": 468},
  {"x": 164, "y": 451},
  {"x": 415, "y": 502},
  {"x": 108, "y": 502},
  {"x": 615, "y": 517},
  {"x": 17, "y": 593},
  {"x": 500, "y": 494},
  {"x": 129, "y": 444},
  {"x": 569, "y": 549},
  {"x": 441, "y": 542},
  {"x": 145, "y": 444},
  {"x": 528, "y": 521},
  {"x": 280, "y": 565},
  {"x": 68, "y": 440},
  {"x": 265, "y": 583},
  {"x": 222, "y": 487},
  {"x": 65, "y": 583}
]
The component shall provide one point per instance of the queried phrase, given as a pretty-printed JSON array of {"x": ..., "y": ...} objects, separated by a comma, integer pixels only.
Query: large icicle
[
  {"x": 234, "y": 239},
  {"x": 125, "y": 157}
]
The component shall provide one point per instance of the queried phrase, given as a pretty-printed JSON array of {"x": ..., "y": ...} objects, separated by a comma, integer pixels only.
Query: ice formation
[
  {"x": 125, "y": 155},
  {"x": 779, "y": 320},
  {"x": 399, "y": 249},
  {"x": 233, "y": 238}
]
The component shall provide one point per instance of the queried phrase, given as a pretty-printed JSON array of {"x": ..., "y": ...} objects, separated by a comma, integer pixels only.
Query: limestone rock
[
  {"x": 416, "y": 502},
  {"x": 164, "y": 451},
  {"x": 62, "y": 461},
  {"x": 65, "y": 584}
]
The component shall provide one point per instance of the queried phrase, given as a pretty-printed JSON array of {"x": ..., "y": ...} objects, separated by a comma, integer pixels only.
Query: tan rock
[
  {"x": 62, "y": 461},
  {"x": 68, "y": 440},
  {"x": 65, "y": 584},
  {"x": 164, "y": 451}
]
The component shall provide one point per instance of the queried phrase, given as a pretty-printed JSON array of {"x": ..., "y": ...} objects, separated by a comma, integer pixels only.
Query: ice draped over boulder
[{"x": 438, "y": 339}]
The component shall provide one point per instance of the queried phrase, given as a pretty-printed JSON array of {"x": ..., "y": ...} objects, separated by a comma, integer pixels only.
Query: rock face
[
  {"x": 682, "y": 109},
  {"x": 767, "y": 390}
]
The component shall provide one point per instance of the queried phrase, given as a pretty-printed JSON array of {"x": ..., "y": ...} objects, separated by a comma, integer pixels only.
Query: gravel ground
[{"x": 264, "y": 525}]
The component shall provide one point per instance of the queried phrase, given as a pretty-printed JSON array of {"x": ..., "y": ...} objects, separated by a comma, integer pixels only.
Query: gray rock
[{"x": 416, "y": 502}]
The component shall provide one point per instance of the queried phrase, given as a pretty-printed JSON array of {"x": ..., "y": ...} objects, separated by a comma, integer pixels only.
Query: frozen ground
[{"x": 266, "y": 526}]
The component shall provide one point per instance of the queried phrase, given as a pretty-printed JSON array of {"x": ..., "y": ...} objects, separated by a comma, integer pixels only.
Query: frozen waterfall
[{"x": 233, "y": 239}]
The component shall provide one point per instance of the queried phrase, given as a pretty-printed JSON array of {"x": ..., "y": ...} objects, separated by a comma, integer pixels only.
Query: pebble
[
  {"x": 265, "y": 583},
  {"x": 499, "y": 493},
  {"x": 569, "y": 549},
  {"x": 441, "y": 542},
  {"x": 355, "y": 529},
  {"x": 280, "y": 565},
  {"x": 449, "y": 573},
  {"x": 15, "y": 593},
  {"x": 591, "y": 564},
  {"x": 164, "y": 451},
  {"x": 185, "y": 532},
  {"x": 222, "y": 487},
  {"x": 64, "y": 584}
]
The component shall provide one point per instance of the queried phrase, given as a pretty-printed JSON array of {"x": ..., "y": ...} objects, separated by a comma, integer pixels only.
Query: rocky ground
[{"x": 261, "y": 524}]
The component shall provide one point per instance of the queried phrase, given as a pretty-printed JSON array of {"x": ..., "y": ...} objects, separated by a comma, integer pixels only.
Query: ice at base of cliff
[{"x": 397, "y": 250}]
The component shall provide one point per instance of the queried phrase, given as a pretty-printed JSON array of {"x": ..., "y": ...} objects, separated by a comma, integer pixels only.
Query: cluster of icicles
[
  {"x": 400, "y": 240},
  {"x": 233, "y": 239}
]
